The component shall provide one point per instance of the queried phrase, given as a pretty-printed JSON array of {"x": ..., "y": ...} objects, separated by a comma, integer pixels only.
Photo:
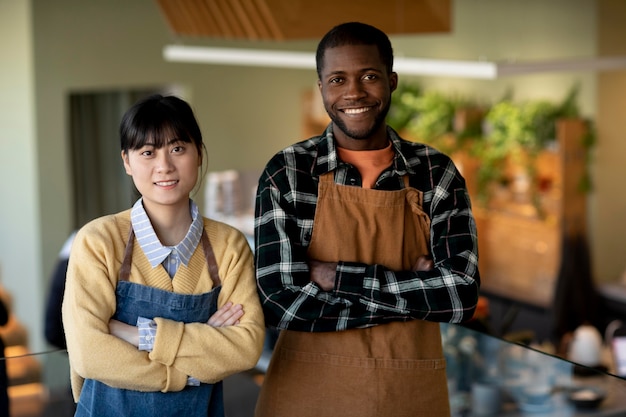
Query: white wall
[
  {"x": 246, "y": 113},
  {"x": 20, "y": 250}
]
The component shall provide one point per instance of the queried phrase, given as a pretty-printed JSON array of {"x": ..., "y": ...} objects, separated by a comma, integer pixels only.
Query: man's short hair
[{"x": 355, "y": 33}]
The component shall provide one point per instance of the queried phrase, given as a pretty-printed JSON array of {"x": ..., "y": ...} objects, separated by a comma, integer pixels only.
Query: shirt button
[{"x": 352, "y": 181}]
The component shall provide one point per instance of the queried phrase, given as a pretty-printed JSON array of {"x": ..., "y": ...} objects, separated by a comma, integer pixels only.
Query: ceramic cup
[{"x": 486, "y": 399}]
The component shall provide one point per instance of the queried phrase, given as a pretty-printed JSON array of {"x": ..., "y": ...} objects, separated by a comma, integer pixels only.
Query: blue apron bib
[{"x": 134, "y": 300}]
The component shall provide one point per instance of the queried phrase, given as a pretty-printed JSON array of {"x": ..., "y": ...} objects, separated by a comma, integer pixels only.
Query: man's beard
[{"x": 361, "y": 134}]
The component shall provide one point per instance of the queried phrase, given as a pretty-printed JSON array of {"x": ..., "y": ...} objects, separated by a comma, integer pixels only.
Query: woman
[{"x": 160, "y": 303}]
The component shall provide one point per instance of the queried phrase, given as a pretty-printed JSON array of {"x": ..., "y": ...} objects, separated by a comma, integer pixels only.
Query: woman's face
[{"x": 164, "y": 176}]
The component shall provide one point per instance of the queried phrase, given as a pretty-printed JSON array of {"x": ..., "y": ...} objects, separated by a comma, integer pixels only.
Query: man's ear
[
  {"x": 126, "y": 163},
  {"x": 393, "y": 81}
]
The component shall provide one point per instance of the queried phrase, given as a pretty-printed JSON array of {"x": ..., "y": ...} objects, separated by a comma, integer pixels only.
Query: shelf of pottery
[{"x": 229, "y": 197}]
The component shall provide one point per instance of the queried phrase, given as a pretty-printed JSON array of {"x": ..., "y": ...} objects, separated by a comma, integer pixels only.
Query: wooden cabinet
[{"x": 522, "y": 230}]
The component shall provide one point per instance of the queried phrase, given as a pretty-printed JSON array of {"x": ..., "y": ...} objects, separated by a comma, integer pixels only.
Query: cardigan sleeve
[
  {"x": 88, "y": 305},
  {"x": 223, "y": 350}
]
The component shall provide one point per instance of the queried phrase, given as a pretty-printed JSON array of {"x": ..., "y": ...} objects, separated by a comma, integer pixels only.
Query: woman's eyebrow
[{"x": 174, "y": 140}]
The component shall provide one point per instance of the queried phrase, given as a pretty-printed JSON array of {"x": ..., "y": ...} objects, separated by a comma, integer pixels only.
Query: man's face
[{"x": 356, "y": 91}]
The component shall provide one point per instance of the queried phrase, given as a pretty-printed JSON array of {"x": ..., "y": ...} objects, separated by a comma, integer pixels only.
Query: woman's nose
[{"x": 164, "y": 162}]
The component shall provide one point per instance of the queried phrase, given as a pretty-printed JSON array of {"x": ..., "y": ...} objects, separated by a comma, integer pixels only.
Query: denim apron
[
  {"x": 394, "y": 369},
  {"x": 134, "y": 300}
]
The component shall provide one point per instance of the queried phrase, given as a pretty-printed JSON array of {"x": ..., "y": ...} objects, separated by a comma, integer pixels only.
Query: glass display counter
[{"x": 488, "y": 376}]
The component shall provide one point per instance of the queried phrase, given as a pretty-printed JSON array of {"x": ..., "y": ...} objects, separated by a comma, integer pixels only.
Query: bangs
[
  {"x": 155, "y": 130},
  {"x": 156, "y": 121}
]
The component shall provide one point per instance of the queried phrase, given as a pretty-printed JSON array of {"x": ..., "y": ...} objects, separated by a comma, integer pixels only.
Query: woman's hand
[
  {"x": 124, "y": 331},
  {"x": 227, "y": 315}
]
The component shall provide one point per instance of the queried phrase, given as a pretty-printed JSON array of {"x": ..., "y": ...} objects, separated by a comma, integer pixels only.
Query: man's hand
[
  {"x": 323, "y": 274},
  {"x": 423, "y": 263},
  {"x": 227, "y": 315}
]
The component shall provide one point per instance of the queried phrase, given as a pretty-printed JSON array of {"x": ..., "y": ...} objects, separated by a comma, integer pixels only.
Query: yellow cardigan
[{"x": 206, "y": 353}]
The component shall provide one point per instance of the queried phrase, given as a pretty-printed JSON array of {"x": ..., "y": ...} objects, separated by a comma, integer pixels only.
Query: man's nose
[{"x": 354, "y": 89}]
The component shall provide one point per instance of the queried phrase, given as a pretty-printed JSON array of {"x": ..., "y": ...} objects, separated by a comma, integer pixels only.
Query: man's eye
[
  {"x": 370, "y": 77},
  {"x": 335, "y": 80}
]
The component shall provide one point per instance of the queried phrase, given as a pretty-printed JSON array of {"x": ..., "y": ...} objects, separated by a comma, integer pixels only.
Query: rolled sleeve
[{"x": 167, "y": 341}]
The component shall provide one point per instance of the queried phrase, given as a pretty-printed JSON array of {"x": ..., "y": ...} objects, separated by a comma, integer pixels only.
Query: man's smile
[{"x": 356, "y": 110}]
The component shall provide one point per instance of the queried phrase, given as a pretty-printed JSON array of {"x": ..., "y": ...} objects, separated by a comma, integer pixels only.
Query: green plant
[
  {"x": 403, "y": 108},
  {"x": 509, "y": 131},
  {"x": 518, "y": 131},
  {"x": 428, "y": 116}
]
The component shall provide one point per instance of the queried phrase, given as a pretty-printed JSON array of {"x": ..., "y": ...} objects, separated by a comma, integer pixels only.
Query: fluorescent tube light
[
  {"x": 232, "y": 56},
  {"x": 402, "y": 65},
  {"x": 445, "y": 68},
  {"x": 306, "y": 60}
]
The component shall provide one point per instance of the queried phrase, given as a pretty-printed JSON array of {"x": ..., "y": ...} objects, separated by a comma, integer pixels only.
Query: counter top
[{"x": 520, "y": 381}]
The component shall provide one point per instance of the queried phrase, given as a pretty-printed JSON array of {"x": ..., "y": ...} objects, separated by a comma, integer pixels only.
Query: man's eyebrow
[{"x": 366, "y": 69}]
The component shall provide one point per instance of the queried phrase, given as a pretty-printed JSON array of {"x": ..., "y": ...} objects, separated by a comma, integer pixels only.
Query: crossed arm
[
  {"x": 227, "y": 315},
  {"x": 324, "y": 273}
]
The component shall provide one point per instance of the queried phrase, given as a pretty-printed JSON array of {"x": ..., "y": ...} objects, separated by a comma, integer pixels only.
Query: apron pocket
[{"x": 314, "y": 384}]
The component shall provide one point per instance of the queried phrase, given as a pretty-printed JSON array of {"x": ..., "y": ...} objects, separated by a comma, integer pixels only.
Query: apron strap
[
  {"x": 327, "y": 177},
  {"x": 209, "y": 256},
  {"x": 128, "y": 257},
  {"x": 330, "y": 177}
]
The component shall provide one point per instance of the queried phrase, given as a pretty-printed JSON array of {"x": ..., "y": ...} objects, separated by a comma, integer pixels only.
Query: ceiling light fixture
[{"x": 402, "y": 65}]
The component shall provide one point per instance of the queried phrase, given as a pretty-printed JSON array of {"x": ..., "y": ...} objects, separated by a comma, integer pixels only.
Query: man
[{"x": 364, "y": 241}]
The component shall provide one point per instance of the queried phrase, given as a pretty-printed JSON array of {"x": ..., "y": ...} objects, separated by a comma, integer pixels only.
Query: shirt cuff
[
  {"x": 147, "y": 333},
  {"x": 192, "y": 382},
  {"x": 350, "y": 279}
]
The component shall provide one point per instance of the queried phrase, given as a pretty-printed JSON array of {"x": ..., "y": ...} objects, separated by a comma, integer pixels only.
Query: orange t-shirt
[{"x": 369, "y": 163}]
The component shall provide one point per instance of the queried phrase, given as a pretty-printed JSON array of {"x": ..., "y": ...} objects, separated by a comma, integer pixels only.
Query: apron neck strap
[
  {"x": 209, "y": 256},
  {"x": 330, "y": 177},
  {"x": 128, "y": 256}
]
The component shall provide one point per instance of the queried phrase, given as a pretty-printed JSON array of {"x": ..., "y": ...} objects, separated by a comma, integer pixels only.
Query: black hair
[
  {"x": 355, "y": 33},
  {"x": 155, "y": 120}
]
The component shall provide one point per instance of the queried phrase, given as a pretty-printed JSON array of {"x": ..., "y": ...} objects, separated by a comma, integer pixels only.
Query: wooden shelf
[{"x": 520, "y": 249}]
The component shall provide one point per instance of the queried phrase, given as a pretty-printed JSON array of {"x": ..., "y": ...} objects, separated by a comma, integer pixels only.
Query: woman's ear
[{"x": 124, "y": 155}]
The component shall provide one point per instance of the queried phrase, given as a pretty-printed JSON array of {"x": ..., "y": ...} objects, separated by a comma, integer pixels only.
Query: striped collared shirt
[
  {"x": 364, "y": 295},
  {"x": 170, "y": 257}
]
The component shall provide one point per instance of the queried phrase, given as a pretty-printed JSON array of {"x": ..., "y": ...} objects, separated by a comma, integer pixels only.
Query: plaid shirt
[{"x": 364, "y": 295}]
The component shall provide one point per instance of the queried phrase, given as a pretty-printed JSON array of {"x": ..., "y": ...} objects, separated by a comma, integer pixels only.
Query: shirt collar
[
  {"x": 150, "y": 243},
  {"x": 328, "y": 159}
]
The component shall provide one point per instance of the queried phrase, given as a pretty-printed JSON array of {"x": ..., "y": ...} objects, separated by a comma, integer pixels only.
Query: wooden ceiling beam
[{"x": 301, "y": 19}]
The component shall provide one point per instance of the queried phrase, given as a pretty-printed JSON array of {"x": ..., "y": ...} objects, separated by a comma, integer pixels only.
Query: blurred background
[{"x": 69, "y": 69}]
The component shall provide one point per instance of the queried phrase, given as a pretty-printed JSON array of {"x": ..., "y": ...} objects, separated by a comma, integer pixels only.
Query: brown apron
[{"x": 391, "y": 369}]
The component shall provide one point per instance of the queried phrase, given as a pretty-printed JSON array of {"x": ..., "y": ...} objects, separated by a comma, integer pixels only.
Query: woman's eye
[
  {"x": 146, "y": 153},
  {"x": 178, "y": 149}
]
